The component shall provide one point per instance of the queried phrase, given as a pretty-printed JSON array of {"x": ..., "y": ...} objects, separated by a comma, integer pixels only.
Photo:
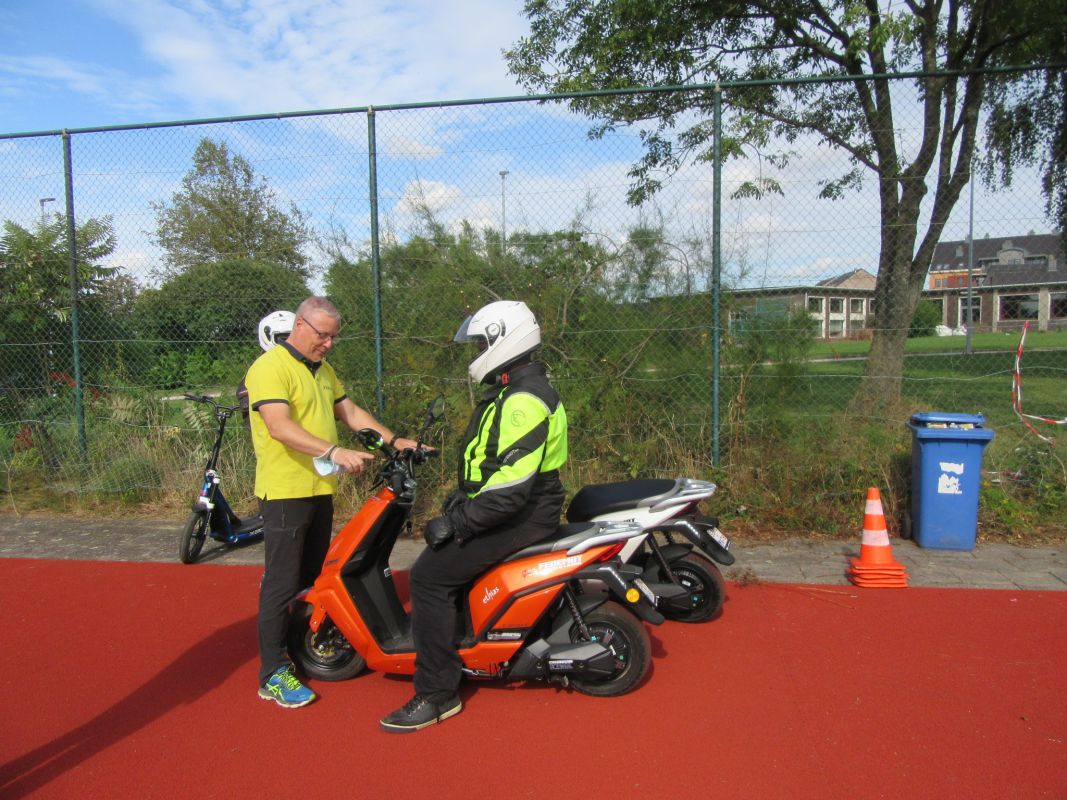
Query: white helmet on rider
[
  {"x": 505, "y": 331},
  {"x": 275, "y": 328}
]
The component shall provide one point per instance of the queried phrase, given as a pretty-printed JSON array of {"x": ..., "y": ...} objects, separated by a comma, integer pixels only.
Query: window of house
[
  {"x": 1018, "y": 306},
  {"x": 855, "y": 305},
  {"x": 974, "y": 304},
  {"x": 837, "y": 305},
  {"x": 815, "y": 305},
  {"x": 1057, "y": 308},
  {"x": 837, "y": 328}
]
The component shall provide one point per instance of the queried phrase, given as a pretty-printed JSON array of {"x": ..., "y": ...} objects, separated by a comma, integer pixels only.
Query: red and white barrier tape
[{"x": 1017, "y": 393}]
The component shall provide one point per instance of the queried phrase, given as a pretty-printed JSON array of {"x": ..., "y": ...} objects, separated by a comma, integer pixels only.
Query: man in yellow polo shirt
[{"x": 296, "y": 400}]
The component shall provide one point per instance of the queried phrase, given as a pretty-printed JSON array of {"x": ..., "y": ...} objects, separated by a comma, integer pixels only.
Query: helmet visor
[{"x": 463, "y": 334}]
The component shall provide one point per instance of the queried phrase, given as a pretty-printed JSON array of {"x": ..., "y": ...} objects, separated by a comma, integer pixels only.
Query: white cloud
[{"x": 262, "y": 55}]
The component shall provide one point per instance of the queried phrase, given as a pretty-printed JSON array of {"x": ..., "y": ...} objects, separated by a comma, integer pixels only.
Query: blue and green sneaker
[{"x": 285, "y": 689}]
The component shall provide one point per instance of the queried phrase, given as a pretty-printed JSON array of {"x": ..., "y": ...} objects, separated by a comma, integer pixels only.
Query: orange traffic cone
[{"x": 876, "y": 566}]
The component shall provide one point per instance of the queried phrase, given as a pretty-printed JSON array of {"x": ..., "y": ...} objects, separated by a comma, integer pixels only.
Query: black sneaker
[{"x": 420, "y": 713}]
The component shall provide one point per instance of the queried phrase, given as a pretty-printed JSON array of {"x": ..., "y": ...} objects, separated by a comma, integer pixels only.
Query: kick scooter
[{"x": 211, "y": 514}]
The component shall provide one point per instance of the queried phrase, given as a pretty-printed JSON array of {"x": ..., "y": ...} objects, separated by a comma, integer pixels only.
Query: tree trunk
[{"x": 897, "y": 293}]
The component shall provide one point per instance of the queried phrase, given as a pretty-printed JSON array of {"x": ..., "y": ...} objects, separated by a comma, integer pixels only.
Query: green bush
[{"x": 927, "y": 317}]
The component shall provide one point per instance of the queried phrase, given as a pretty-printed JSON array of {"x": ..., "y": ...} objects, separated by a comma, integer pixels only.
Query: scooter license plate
[{"x": 720, "y": 537}]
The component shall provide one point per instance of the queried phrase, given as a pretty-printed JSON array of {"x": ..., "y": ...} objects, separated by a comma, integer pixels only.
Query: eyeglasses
[{"x": 323, "y": 337}]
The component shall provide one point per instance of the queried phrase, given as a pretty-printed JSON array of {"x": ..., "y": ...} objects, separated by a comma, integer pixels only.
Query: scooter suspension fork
[
  {"x": 576, "y": 614},
  {"x": 658, "y": 555}
]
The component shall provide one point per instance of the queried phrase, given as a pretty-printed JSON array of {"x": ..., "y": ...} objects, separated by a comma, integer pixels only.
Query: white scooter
[{"x": 680, "y": 546}]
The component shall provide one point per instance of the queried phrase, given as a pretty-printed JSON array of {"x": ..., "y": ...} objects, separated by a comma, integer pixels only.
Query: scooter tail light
[{"x": 610, "y": 553}]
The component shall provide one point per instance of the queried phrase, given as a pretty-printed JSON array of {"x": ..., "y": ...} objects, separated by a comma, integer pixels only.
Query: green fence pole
[
  {"x": 376, "y": 264},
  {"x": 72, "y": 248},
  {"x": 716, "y": 272}
]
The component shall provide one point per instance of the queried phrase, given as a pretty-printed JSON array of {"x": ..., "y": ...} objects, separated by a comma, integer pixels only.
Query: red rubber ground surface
[{"x": 138, "y": 680}]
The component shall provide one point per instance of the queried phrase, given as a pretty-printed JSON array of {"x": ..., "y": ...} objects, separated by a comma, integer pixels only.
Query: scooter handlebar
[
  {"x": 421, "y": 455},
  {"x": 227, "y": 411}
]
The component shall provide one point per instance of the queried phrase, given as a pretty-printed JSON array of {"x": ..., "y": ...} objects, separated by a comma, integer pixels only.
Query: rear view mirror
[{"x": 435, "y": 410}]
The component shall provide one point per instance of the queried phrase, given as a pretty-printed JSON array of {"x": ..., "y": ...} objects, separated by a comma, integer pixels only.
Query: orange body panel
[
  {"x": 500, "y": 584},
  {"x": 347, "y": 539},
  {"x": 489, "y": 597}
]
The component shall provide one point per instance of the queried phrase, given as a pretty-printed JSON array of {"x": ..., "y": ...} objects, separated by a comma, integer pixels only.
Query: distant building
[
  {"x": 841, "y": 305},
  {"x": 1012, "y": 280}
]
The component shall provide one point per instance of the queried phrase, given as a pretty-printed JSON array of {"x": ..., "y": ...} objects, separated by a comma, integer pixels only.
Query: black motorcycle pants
[{"x": 437, "y": 578}]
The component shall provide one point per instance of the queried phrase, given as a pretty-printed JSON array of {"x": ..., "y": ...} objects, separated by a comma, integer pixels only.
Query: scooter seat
[
  {"x": 603, "y": 498},
  {"x": 563, "y": 538}
]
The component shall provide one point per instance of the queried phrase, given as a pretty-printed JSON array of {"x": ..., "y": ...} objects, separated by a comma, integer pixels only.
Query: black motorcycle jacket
[{"x": 513, "y": 449}]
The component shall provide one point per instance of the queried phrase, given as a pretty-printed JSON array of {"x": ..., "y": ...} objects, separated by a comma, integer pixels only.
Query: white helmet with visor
[
  {"x": 504, "y": 331},
  {"x": 275, "y": 328}
]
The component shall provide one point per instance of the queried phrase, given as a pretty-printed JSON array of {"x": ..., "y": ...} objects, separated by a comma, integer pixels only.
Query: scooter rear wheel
[
  {"x": 324, "y": 654},
  {"x": 707, "y": 589},
  {"x": 193, "y": 536},
  {"x": 625, "y": 636}
]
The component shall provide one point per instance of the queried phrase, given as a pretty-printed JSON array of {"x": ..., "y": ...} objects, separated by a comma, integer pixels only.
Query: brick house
[
  {"x": 1013, "y": 279},
  {"x": 841, "y": 305}
]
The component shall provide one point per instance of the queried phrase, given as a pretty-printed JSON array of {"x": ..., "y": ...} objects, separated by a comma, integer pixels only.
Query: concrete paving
[{"x": 796, "y": 560}]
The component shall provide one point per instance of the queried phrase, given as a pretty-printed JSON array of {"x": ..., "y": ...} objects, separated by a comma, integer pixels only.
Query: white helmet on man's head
[
  {"x": 275, "y": 328},
  {"x": 505, "y": 331}
]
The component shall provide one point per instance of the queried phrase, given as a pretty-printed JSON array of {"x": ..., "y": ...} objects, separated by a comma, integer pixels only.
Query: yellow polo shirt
[{"x": 281, "y": 375}]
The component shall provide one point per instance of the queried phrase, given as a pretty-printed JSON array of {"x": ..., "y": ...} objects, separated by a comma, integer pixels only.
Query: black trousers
[
  {"x": 296, "y": 536},
  {"x": 437, "y": 578}
]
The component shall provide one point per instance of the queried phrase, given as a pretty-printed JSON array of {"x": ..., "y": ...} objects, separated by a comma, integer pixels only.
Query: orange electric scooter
[{"x": 564, "y": 609}]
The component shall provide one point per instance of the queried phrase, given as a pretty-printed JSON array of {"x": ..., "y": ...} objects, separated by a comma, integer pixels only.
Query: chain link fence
[{"x": 720, "y": 327}]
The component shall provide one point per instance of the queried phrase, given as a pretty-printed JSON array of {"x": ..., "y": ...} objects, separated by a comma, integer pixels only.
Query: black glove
[
  {"x": 457, "y": 520},
  {"x": 456, "y": 498},
  {"x": 438, "y": 532}
]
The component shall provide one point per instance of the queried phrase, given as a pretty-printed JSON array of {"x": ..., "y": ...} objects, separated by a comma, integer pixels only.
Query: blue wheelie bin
[{"x": 946, "y": 470}]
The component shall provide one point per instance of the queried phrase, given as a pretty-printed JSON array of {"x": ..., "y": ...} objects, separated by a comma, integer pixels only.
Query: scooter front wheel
[
  {"x": 193, "y": 536},
  {"x": 706, "y": 587},
  {"x": 325, "y": 654},
  {"x": 625, "y": 636}
]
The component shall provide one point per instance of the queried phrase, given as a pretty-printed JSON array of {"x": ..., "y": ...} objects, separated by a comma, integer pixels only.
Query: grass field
[{"x": 946, "y": 344}]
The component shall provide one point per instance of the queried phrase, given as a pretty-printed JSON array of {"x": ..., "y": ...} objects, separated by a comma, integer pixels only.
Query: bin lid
[{"x": 939, "y": 419}]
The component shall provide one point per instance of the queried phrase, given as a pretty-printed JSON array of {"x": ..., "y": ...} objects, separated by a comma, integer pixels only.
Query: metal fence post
[
  {"x": 376, "y": 264},
  {"x": 716, "y": 271},
  {"x": 72, "y": 248}
]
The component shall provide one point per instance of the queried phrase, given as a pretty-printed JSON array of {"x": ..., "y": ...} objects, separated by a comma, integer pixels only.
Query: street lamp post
[
  {"x": 42, "y": 201},
  {"x": 968, "y": 345},
  {"x": 503, "y": 213}
]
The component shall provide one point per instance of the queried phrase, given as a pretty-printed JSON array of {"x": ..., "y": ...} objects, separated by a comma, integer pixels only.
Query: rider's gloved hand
[
  {"x": 438, "y": 532},
  {"x": 457, "y": 520},
  {"x": 453, "y": 500}
]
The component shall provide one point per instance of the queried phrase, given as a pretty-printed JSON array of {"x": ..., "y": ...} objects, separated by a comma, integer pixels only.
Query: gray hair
[{"x": 318, "y": 304}]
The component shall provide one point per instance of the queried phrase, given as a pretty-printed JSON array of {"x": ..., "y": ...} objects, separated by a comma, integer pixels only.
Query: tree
[
  {"x": 225, "y": 213},
  {"x": 578, "y": 45},
  {"x": 207, "y": 317},
  {"x": 35, "y": 287}
]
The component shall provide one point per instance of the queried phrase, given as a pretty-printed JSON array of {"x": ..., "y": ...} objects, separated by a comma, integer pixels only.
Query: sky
[
  {"x": 73, "y": 64},
  {"x": 89, "y": 63}
]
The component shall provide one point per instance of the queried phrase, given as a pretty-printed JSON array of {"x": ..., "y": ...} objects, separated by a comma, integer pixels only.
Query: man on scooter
[
  {"x": 297, "y": 401},
  {"x": 509, "y": 496}
]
